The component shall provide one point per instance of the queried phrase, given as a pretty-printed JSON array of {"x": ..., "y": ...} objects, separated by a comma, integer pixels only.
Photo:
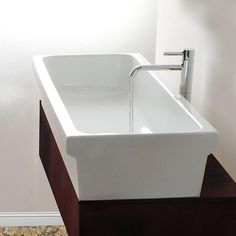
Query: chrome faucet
[{"x": 186, "y": 69}]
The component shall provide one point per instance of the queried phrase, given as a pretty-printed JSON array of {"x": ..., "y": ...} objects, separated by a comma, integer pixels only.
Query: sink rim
[{"x": 70, "y": 131}]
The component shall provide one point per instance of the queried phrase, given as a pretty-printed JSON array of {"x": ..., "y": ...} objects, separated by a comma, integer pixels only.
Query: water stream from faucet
[{"x": 131, "y": 100}]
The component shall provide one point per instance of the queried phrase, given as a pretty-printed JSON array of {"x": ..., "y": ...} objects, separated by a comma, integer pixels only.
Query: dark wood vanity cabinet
[
  {"x": 58, "y": 177},
  {"x": 213, "y": 213}
]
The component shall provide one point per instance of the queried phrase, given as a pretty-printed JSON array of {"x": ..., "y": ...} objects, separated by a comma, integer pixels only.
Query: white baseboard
[{"x": 30, "y": 218}]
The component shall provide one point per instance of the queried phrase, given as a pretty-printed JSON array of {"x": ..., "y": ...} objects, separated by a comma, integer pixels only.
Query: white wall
[
  {"x": 209, "y": 26},
  {"x": 30, "y": 27}
]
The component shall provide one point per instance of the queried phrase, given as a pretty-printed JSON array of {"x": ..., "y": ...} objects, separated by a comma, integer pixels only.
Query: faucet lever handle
[
  {"x": 186, "y": 54},
  {"x": 173, "y": 53}
]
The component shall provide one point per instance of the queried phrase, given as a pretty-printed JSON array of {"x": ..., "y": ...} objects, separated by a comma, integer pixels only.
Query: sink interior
[{"x": 95, "y": 92}]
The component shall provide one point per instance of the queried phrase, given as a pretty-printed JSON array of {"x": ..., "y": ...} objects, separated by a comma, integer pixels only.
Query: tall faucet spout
[
  {"x": 186, "y": 68},
  {"x": 154, "y": 68}
]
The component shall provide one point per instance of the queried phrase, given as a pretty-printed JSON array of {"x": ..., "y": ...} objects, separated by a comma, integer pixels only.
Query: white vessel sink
[{"x": 86, "y": 101}]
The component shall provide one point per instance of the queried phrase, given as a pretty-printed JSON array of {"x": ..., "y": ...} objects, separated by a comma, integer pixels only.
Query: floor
[{"x": 33, "y": 231}]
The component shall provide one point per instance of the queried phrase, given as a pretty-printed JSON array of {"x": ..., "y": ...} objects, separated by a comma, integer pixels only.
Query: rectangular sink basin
[{"x": 86, "y": 101}]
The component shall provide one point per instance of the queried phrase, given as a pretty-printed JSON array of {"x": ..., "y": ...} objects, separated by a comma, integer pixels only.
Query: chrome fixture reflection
[{"x": 186, "y": 69}]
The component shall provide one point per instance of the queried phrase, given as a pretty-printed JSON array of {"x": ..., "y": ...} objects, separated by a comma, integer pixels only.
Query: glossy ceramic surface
[{"x": 86, "y": 100}]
